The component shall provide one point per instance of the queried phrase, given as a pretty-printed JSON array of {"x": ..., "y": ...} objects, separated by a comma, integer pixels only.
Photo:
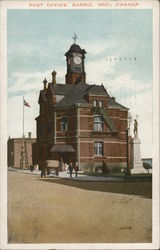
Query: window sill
[{"x": 99, "y": 132}]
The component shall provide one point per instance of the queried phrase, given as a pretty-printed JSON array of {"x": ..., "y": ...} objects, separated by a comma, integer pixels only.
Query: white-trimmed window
[
  {"x": 98, "y": 123},
  {"x": 95, "y": 103},
  {"x": 100, "y": 103},
  {"x": 64, "y": 124},
  {"x": 98, "y": 148}
]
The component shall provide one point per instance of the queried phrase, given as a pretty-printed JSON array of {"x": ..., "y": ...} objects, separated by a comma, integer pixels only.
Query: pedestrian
[
  {"x": 104, "y": 166},
  {"x": 70, "y": 168},
  {"x": 76, "y": 168},
  {"x": 61, "y": 164},
  {"x": 43, "y": 172},
  {"x": 65, "y": 166}
]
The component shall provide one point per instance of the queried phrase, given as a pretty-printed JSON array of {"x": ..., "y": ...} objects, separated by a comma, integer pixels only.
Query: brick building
[
  {"x": 15, "y": 150},
  {"x": 79, "y": 121}
]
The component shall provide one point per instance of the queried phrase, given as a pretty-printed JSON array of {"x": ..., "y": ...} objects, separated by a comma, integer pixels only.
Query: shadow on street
[{"x": 138, "y": 188}]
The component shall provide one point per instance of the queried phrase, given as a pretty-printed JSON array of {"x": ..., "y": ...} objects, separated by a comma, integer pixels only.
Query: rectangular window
[
  {"x": 98, "y": 123},
  {"x": 98, "y": 148},
  {"x": 100, "y": 104},
  {"x": 95, "y": 103},
  {"x": 64, "y": 124}
]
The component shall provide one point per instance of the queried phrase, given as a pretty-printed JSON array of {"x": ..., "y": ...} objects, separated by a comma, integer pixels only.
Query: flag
[{"x": 26, "y": 104}]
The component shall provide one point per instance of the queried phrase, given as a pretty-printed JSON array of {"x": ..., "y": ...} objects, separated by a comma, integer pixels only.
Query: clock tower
[{"x": 75, "y": 64}]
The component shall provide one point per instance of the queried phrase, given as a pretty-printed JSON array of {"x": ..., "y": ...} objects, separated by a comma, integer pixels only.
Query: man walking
[
  {"x": 70, "y": 168},
  {"x": 76, "y": 168}
]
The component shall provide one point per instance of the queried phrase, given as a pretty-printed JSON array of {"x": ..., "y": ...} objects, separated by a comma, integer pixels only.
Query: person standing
[
  {"x": 61, "y": 168},
  {"x": 70, "y": 168},
  {"x": 76, "y": 168},
  {"x": 104, "y": 165}
]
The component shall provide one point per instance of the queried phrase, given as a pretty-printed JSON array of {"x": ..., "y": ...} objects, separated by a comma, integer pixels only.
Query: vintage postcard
[{"x": 79, "y": 124}]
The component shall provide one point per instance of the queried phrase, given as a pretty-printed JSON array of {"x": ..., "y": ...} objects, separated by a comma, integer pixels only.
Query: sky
[{"x": 119, "y": 55}]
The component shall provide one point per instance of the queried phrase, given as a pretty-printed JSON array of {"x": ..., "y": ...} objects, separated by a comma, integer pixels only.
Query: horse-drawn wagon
[{"x": 48, "y": 166}]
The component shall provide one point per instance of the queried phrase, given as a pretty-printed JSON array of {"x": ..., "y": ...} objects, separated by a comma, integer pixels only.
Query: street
[{"x": 56, "y": 210}]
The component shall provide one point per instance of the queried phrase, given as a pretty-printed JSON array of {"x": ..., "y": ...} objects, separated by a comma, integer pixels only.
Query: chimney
[
  {"x": 29, "y": 135},
  {"x": 45, "y": 85},
  {"x": 54, "y": 77}
]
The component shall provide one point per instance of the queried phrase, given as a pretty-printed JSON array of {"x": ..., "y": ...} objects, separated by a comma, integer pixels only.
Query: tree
[{"x": 147, "y": 166}]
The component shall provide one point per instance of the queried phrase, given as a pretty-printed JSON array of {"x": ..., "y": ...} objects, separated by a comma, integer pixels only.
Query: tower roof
[{"x": 75, "y": 47}]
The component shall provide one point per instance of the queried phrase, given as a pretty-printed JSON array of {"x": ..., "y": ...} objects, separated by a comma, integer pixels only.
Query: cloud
[
  {"x": 97, "y": 70},
  {"x": 15, "y": 115},
  {"x": 98, "y": 47},
  {"x": 125, "y": 85},
  {"x": 141, "y": 105},
  {"x": 32, "y": 82}
]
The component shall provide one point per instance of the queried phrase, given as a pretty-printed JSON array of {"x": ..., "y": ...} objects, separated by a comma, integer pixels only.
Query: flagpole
[{"x": 23, "y": 116}]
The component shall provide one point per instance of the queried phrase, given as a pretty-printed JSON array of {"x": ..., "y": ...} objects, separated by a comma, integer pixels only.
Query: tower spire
[{"x": 75, "y": 38}]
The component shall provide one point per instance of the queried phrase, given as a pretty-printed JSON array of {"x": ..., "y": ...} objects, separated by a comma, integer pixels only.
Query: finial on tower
[{"x": 75, "y": 38}]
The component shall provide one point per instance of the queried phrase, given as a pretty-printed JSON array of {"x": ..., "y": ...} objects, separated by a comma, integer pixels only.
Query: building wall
[
  {"x": 82, "y": 140},
  {"x": 14, "y": 151}
]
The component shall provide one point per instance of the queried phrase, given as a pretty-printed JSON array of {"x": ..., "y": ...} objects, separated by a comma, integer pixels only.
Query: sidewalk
[
  {"x": 82, "y": 177},
  {"x": 65, "y": 175},
  {"x": 25, "y": 171}
]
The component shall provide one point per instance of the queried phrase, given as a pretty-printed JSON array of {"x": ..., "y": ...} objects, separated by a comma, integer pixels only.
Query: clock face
[{"x": 77, "y": 60}]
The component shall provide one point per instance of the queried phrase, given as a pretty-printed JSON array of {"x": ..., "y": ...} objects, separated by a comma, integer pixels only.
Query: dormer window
[
  {"x": 100, "y": 103},
  {"x": 64, "y": 124}
]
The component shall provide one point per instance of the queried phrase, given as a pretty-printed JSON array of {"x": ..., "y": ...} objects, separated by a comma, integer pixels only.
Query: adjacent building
[
  {"x": 79, "y": 121},
  {"x": 20, "y": 152}
]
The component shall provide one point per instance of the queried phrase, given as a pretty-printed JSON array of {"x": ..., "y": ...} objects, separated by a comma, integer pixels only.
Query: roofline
[
  {"x": 96, "y": 94},
  {"x": 20, "y": 139},
  {"x": 73, "y": 105},
  {"x": 121, "y": 108}
]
